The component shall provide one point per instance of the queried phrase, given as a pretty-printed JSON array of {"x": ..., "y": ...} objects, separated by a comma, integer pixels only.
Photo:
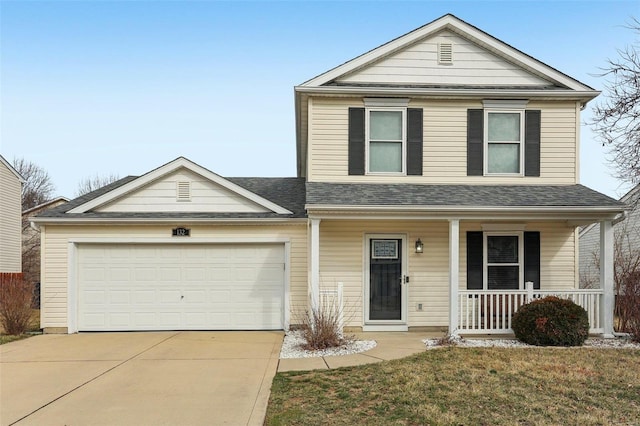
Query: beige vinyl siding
[
  {"x": 557, "y": 254},
  {"x": 418, "y": 64},
  {"x": 161, "y": 196},
  {"x": 55, "y": 272},
  {"x": 342, "y": 260},
  {"x": 444, "y": 146},
  {"x": 10, "y": 221}
]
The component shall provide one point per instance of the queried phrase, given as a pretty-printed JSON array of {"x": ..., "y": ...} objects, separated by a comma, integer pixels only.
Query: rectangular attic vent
[
  {"x": 445, "y": 53},
  {"x": 183, "y": 191}
]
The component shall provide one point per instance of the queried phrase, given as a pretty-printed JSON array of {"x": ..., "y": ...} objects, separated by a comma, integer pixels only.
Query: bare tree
[
  {"x": 626, "y": 276},
  {"x": 616, "y": 118},
  {"x": 89, "y": 184},
  {"x": 38, "y": 187}
]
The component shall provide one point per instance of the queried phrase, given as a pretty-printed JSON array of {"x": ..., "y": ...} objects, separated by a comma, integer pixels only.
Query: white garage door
[{"x": 180, "y": 287}]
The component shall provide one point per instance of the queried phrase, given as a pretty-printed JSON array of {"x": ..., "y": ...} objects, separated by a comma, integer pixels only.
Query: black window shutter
[
  {"x": 532, "y": 258},
  {"x": 356, "y": 141},
  {"x": 414, "y": 141},
  {"x": 474, "y": 260},
  {"x": 532, "y": 143},
  {"x": 475, "y": 136}
]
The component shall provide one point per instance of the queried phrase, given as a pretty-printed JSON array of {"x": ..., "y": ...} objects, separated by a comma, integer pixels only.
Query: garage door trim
[{"x": 73, "y": 265}]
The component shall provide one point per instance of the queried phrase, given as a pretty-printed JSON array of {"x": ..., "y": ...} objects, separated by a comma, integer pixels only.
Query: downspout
[{"x": 619, "y": 218}]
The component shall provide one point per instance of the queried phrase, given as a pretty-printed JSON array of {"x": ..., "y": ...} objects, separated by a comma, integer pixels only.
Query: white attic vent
[
  {"x": 445, "y": 53},
  {"x": 183, "y": 191}
]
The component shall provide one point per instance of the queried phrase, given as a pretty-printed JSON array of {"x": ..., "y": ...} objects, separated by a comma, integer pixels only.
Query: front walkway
[{"x": 390, "y": 345}]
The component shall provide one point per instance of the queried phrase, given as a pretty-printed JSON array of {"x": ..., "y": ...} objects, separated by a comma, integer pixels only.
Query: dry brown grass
[
  {"x": 479, "y": 386},
  {"x": 34, "y": 327}
]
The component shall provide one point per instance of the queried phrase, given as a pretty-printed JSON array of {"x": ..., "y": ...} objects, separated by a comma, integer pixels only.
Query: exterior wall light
[{"x": 419, "y": 246}]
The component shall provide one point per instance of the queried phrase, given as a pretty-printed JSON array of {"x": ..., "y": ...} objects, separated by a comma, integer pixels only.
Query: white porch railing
[{"x": 490, "y": 311}]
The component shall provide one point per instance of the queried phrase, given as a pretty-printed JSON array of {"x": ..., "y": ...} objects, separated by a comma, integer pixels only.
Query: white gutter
[
  {"x": 583, "y": 95},
  {"x": 426, "y": 208},
  {"x": 620, "y": 218},
  {"x": 63, "y": 220}
]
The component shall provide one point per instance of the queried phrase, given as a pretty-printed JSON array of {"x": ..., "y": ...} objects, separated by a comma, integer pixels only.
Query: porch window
[{"x": 503, "y": 262}]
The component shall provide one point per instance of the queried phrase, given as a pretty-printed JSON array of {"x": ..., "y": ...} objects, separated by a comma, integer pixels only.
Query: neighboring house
[
  {"x": 10, "y": 207},
  {"x": 437, "y": 175},
  {"x": 31, "y": 240},
  {"x": 626, "y": 241}
]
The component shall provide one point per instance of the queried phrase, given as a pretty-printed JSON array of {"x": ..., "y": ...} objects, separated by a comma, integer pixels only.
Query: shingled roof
[
  {"x": 286, "y": 192},
  {"x": 293, "y": 193},
  {"x": 487, "y": 196}
]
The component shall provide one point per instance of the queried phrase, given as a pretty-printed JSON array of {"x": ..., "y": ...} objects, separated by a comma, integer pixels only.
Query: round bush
[{"x": 551, "y": 321}]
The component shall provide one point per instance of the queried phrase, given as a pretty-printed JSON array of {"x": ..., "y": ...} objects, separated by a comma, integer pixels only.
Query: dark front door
[{"x": 385, "y": 279}]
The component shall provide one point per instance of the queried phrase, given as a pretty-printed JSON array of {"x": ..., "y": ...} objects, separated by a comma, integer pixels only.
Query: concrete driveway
[{"x": 144, "y": 378}]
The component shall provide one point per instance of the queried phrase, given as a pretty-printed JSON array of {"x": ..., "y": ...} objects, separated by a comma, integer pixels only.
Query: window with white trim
[
  {"x": 503, "y": 142},
  {"x": 386, "y": 140},
  {"x": 503, "y": 261}
]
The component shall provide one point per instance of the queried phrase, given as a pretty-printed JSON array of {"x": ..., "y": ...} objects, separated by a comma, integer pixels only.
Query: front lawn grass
[{"x": 467, "y": 386}]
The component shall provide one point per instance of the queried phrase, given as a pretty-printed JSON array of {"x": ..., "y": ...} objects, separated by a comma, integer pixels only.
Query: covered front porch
[
  {"x": 481, "y": 246},
  {"x": 489, "y": 311},
  {"x": 434, "y": 288}
]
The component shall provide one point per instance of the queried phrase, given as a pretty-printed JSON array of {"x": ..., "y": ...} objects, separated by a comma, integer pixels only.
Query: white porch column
[
  {"x": 454, "y": 274},
  {"x": 314, "y": 265},
  {"x": 606, "y": 277}
]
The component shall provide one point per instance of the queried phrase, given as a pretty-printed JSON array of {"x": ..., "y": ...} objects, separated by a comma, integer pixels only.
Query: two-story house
[
  {"x": 437, "y": 187},
  {"x": 10, "y": 207}
]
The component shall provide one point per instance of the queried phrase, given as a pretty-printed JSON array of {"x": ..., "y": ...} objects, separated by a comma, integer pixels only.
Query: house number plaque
[{"x": 181, "y": 232}]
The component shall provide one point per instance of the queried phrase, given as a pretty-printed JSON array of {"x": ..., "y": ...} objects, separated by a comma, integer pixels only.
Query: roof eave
[
  {"x": 448, "y": 92},
  {"x": 453, "y": 211},
  {"x": 39, "y": 220}
]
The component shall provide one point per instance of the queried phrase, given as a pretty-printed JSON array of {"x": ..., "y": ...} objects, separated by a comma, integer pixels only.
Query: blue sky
[{"x": 102, "y": 87}]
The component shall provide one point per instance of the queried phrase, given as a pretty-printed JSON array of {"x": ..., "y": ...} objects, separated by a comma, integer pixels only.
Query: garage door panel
[
  {"x": 119, "y": 297},
  {"x": 169, "y": 274},
  {"x": 95, "y": 297},
  {"x": 195, "y": 287},
  {"x": 144, "y": 297}
]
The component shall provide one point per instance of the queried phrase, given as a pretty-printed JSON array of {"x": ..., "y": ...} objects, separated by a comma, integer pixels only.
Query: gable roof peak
[
  {"x": 461, "y": 28},
  {"x": 165, "y": 169}
]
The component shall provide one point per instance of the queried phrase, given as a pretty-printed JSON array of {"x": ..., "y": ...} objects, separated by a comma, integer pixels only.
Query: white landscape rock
[
  {"x": 293, "y": 341},
  {"x": 617, "y": 343}
]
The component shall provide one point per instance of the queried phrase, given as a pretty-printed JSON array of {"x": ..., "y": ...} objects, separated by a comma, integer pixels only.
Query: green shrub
[{"x": 551, "y": 321}]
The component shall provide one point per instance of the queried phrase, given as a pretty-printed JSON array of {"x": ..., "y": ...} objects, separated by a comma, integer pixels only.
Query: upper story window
[
  {"x": 503, "y": 142},
  {"x": 503, "y": 139},
  {"x": 386, "y": 140}
]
